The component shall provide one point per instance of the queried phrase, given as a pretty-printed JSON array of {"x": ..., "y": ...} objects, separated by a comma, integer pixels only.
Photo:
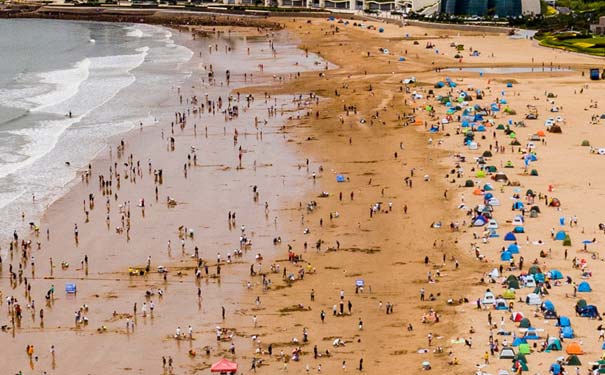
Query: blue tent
[
  {"x": 340, "y": 178},
  {"x": 480, "y": 221},
  {"x": 560, "y": 236},
  {"x": 531, "y": 334},
  {"x": 519, "y": 340},
  {"x": 555, "y": 369},
  {"x": 488, "y": 196},
  {"x": 518, "y": 205},
  {"x": 481, "y": 128},
  {"x": 556, "y": 275},
  {"x": 548, "y": 305},
  {"x": 488, "y": 187},
  {"x": 584, "y": 287},
  {"x": 563, "y": 321},
  {"x": 567, "y": 332},
  {"x": 506, "y": 256},
  {"x": 519, "y": 229},
  {"x": 513, "y": 248},
  {"x": 539, "y": 277},
  {"x": 510, "y": 237}
]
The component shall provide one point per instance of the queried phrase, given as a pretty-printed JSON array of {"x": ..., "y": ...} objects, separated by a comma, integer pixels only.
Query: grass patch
[{"x": 575, "y": 42}]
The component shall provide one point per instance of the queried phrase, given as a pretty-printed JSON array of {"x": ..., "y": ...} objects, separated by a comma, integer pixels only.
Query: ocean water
[{"x": 108, "y": 76}]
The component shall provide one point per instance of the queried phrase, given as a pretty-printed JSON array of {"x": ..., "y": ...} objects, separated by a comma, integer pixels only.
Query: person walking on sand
[
  {"x": 360, "y": 364},
  {"x": 430, "y": 338}
]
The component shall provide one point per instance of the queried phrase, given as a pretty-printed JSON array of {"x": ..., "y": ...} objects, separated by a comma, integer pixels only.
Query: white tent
[{"x": 533, "y": 299}]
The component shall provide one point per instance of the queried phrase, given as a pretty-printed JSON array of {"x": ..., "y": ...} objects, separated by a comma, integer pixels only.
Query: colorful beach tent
[
  {"x": 525, "y": 323},
  {"x": 513, "y": 248},
  {"x": 573, "y": 360},
  {"x": 524, "y": 349},
  {"x": 584, "y": 287},
  {"x": 517, "y": 316},
  {"x": 510, "y": 237},
  {"x": 563, "y": 321},
  {"x": 567, "y": 333},
  {"x": 530, "y": 334},
  {"x": 509, "y": 294},
  {"x": 224, "y": 366},
  {"x": 506, "y": 256},
  {"x": 574, "y": 348},
  {"x": 556, "y": 275},
  {"x": 554, "y": 344},
  {"x": 548, "y": 305},
  {"x": 507, "y": 353},
  {"x": 518, "y": 341}
]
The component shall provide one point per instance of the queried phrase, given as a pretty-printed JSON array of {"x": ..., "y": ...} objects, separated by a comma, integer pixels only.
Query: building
[
  {"x": 599, "y": 28},
  {"x": 482, "y": 8},
  {"x": 349, "y": 6}
]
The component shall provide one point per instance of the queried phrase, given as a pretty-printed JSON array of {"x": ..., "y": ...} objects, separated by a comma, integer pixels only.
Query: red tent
[{"x": 224, "y": 365}]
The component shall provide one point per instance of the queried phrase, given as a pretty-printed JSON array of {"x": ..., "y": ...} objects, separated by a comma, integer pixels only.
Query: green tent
[
  {"x": 581, "y": 304},
  {"x": 573, "y": 360},
  {"x": 567, "y": 241},
  {"x": 524, "y": 349},
  {"x": 491, "y": 169},
  {"x": 509, "y": 294},
  {"x": 513, "y": 282},
  {"x": 521, "y": 357},
  {"x": 534, "y": 269},
  {"x": 487, "y": 154},
  {"x": 469, "y": 183},
  {"x": 524, "y": 323},
  {"x": 534, "y": 172},
  {"x": 512, "y": 135},
  {"x": 555, "y": 344}
]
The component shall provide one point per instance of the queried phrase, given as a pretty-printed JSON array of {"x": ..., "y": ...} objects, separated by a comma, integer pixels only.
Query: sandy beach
[{"x": 332, "y": 203}]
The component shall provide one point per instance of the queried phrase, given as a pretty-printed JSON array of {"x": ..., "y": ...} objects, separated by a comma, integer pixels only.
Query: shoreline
[{"x": 66, "y": 206}]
